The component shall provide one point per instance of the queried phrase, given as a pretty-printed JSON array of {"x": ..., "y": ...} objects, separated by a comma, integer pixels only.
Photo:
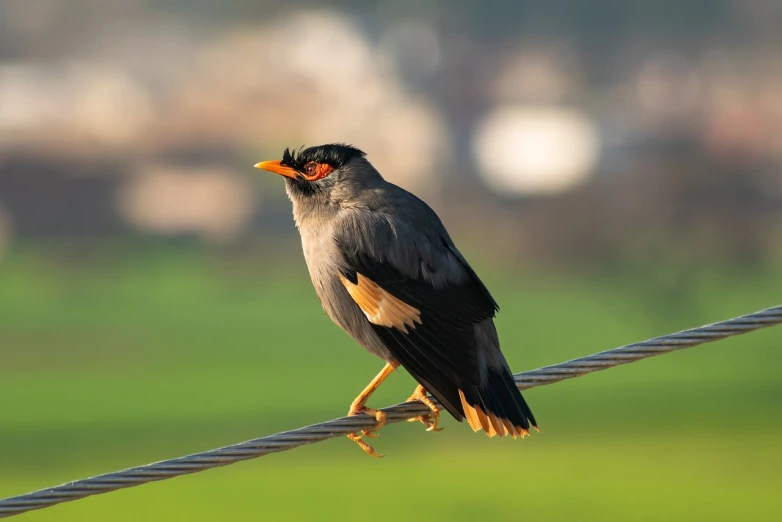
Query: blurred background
[{"x": 612, "y": 169}]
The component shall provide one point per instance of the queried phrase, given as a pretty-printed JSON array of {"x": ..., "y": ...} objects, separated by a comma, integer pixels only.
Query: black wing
[{"x": 423, "y": 270}]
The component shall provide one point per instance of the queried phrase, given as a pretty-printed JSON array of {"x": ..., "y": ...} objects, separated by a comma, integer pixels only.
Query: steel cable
[{"x": 334, "y": 428}]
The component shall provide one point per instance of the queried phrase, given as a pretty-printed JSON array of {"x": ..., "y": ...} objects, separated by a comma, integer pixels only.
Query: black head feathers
[{"x": 336, "y": 155}]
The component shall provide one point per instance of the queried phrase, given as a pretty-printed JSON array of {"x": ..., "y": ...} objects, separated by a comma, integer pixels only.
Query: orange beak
[{"x": 274, "y": 166}]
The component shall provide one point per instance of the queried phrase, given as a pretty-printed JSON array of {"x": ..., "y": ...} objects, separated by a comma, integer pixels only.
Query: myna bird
[{"x": 386, "y": 271}]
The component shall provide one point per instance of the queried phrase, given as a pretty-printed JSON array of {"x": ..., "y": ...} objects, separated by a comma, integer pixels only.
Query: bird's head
[{"x": 318, "y": 170}]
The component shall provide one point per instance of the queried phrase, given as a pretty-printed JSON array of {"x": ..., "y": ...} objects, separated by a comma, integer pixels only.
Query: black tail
[{"x": 497, "y": 406}]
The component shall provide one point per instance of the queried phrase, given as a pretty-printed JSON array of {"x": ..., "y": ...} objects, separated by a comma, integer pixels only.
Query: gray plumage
[{"x": 354, "y": 223}]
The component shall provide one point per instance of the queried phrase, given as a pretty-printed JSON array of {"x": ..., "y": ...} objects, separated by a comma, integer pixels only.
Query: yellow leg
[
  {"x": 358, "y": 407},
  {"x": 430, "y": 421}
]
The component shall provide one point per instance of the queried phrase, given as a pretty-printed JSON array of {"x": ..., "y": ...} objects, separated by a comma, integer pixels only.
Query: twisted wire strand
[{"x": 334, "y": 428}]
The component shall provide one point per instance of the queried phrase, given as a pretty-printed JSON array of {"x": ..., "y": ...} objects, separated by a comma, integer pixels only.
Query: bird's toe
[
  {"x": 369, "y": 450},
  {"x": 381, "y": 418},
  {"x": 430, "y": 420}
]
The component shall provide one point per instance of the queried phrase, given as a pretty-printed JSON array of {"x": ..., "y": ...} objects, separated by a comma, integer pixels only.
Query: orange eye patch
[{"x": 314, "y": 171}]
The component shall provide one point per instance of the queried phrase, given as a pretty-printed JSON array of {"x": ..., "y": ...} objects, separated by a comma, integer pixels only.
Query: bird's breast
[
  {"x": 320, "y": 253},
  {"x": 324, "y": 260}
]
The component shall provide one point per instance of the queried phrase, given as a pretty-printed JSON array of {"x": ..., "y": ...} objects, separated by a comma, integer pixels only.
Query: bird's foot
[
  {"x": 430, "y": 420},
  {"x": 380, "y": 416}
]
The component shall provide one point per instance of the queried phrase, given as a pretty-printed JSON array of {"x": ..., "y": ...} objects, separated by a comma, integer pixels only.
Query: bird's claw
[
  {"x": 380, "y": 416},
  {"x": 431, "y": 425},
  {"x": 430, "y": 420},
  {"x": 369, "y": 450}
]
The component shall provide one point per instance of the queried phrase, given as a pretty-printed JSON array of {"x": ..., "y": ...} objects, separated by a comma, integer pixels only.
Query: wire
[{"x": 334, "y": 428}]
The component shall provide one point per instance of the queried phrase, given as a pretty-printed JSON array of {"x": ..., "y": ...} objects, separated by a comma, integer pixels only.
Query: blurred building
[{"x": 569, "y": 128}]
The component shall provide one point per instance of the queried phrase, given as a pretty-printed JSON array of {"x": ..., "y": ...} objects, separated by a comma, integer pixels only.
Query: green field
[{"x": 124, "y": 360}]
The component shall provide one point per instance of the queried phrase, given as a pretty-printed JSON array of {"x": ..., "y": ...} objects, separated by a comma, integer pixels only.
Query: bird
[{"x": 387, "y": 272}]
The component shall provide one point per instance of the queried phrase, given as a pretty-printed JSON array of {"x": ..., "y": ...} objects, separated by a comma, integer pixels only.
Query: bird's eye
[
  {"x": 313, "y": 171},
  {"x": 310, "y": 169}
]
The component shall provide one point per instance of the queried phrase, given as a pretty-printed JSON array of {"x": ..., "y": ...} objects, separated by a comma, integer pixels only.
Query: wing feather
[{"x": 422, "y": 300}]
